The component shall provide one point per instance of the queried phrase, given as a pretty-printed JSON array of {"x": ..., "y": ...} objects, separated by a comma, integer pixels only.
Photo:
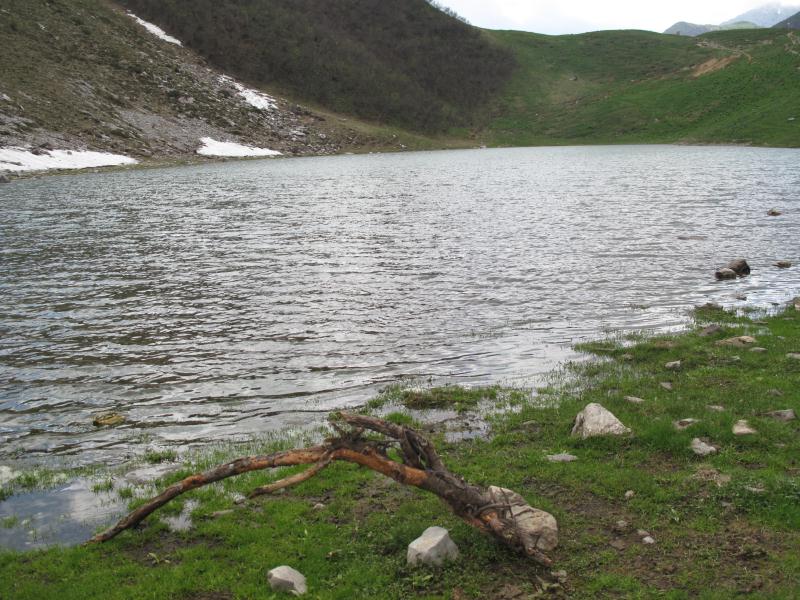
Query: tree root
[{"x": 500, "y": 513}]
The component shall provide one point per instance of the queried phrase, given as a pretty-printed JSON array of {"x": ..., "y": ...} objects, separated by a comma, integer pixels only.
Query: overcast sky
[{"x": 577, "y": 16}]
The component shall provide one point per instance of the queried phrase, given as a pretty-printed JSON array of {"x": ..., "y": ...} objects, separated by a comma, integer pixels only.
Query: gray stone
[
  {"x": 629, "y": 494},
  {"x": 684, "y": 424},
  {"x": 286, "y": 579},
  {"x": 783, "y": 264},
  {"x": 700, "y": 448},
  {"x": 561, "y": 458},
  {"x": 673, "y": 366},
  {"x": 595, "y": 420},
  {"x": 793, "y": 355},
  {"x": 648, "y": 540},
  {"x": 742, "y": 427},
  {"x": 434, "y": 547},
  {"x": 634, "y": 400},
  {"x": 782, "y": 415},
  {"x": 716, "y": 408},
  {"x": 740, "y": 341},
  {"x": 538, "y": 530},
  {"x": 642, "y": 533},
  {"x": 758, "y": 350},
  {"x": 739, "y": 266},
  {"x": 774, "y": 212},
  {"x": 725, "y": 274},
  {"x": 666, "y": 385}
]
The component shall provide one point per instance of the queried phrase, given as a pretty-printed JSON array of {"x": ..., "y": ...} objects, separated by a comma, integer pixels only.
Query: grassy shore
[{"x": 724, "y": 525}]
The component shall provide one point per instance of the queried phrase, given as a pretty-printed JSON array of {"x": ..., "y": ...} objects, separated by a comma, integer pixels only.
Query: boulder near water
[
  {"x": 738, "y": 266},
  {"x": 286, "y": 579},
  {"x": 725, "y": 273},
  {"x": 596, "y": 420}
]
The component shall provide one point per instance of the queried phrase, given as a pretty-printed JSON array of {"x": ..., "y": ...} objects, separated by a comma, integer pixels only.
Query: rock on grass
[
  {"x": 434, "y": 547},
  {"x": 286, "y": 579},
  {"x": 595, "y": 420}
]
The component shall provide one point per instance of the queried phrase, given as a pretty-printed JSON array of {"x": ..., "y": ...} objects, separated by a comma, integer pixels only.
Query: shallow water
[{"x": 218, "y": 302}]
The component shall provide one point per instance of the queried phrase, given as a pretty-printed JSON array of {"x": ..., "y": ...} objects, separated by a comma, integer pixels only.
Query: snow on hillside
[
  {"x": 252, "y": 97},
  {"x": 19, "y": 159},
  {"x": 155, "y": 30},
  {"x": 212, "y": 147}
]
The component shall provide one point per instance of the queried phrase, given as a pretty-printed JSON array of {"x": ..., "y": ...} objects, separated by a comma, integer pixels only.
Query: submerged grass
[{"x": 724, "y": 525}]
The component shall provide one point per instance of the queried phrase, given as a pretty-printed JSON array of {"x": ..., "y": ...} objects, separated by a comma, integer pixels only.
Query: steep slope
[
  {"x": 792, "y": 22},
  {"x": 693, "y": 30},
  {"x": 81, "y": 74},
  {"x": 635, "y": 86},
  {"x": 766, "y": 15},
  {"x": 403, "y": 62}
]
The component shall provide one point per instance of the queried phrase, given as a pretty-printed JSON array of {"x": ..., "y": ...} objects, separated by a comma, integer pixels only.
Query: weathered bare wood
[{"x": 500, "y": 513}]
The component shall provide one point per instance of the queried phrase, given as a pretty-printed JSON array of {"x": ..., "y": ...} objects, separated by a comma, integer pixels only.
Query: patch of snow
[
  {"x": 155, "y": 30},
  {"x": 212, "y": 147},
  {"x": 252, "y": 97},
  {"x": 19, "y": 159}
]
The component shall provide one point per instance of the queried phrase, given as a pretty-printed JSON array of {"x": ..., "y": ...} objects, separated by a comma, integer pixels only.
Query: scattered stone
[
  {"x": 774, "y": 212},
  {"x": 700, "y": 448},
  {"x": 319, "y": 506},
  {"x": 648, "y": 540},
  {"x": 755, "y": 489},
  {"x": 710, "y": 330},
  {"x": 642, "y": 533},
  {"x": 561, "y": 458},
  {"x": 684, "y": 423},
  {"x": 434, "y": 547},
  {"x": 108, "y": 420},
  {"x": 536, "y": 528},
  {"x": 621, "y": 526},
  {"x": 782, "y": 415},
  {"x": 742, "y": 427},
  {"x": 286, "y": 579},
  {"x": 775, "y": 393},
  {"x": 666, "y": 385},
  {"x": 723, "y": 274},
  {"x": 618, "y": 544},
  {"x": 793, "y": 355},
  {"x": 716, "y": 408},
  {"x": 595, "y": 420},
  {"x": 560, "y": 576},
  {"x": 740, "y": 341},
  {"x": 712, "y": 475},
  {"x": 222, "y": 513},
  {"x": 783, "y": 264},
  {"x": 674, "y": 365},
  {"x": 629, "y": 494},
  {"x": 634, "y": 400},
  {"x": 758, "y": 350}
]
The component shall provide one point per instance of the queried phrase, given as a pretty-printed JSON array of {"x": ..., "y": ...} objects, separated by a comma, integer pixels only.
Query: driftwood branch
[{"x": 498, "y": 512}]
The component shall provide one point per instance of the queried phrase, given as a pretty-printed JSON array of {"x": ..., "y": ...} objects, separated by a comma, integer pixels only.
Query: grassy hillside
[
  {"x": 635, "y": 86},
  {"x": 403, "y": 62}
]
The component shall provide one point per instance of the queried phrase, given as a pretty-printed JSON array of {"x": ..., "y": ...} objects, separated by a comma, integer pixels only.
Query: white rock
[
  {"x": 286, "y": 579},
  {"x": 595, "y": 420},
  {"x": 758, "y": 350},
  {"x": 716, "y": 408},
  {"x": 673, "y": 366},
  {"x": 537, "y": 529},
  {"x": 700, "y": 448},
  {"x": 561, "y": 458},
  {"x": 738, "y": 342},
  {"x": 684, "y": 424},
  {"x": 666, "y": 385},
  {"x": 648, "y": 540},
  {"x": 743, "y": 428},
  {"x": 782, "y": 415},
  {"x": 433, "y": 547},
  {"x": 634, "y": 400},
  {"x": 629, "y": 494},
  {"x": 642, "y": 533},
  {"x": 793, "y": 355}
]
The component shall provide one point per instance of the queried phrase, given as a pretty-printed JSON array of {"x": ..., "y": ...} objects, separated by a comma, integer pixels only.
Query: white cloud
[{"x": 576, "y": 16}]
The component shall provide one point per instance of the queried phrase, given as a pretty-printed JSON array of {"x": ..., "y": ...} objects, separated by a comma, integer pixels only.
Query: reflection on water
[{"x": 221, "y": 301}]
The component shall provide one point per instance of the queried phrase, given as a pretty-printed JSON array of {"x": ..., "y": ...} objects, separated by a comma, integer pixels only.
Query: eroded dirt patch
[{"x": 712, "y": 65}]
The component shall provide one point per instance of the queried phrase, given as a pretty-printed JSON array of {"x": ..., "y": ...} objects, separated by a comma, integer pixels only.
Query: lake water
[{"x": 222, "y": 301}]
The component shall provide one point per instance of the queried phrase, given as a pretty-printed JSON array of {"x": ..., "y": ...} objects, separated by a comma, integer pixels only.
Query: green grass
[
  {"x": 642, "y": 87},
  {"x": 712, "y": 541}
]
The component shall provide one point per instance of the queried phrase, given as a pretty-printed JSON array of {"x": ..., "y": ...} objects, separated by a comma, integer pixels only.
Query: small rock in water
[
  {"x": 741, "y": 297},
  {"x": 716, "y": 408},
  {"x": 783, "y": 264},
  {"x": 742, "y": 427},
  {"x": 710, "y": 330},
  {"x": 738, "y": 342},
  {"x": 723, "y": 274},
  {"x": 433, "y": 547},
  {"x": 774, "y": 212},
  {"x": 739, "y": 267},
  {"x": 595, "y": 420},
  {"x": 4, "y": 179},
  {"x": 634, "y": 400},
  {"x": 666, "y": 385},
  {"x": 108, "y": 420},
  {"x": 629, "y": 494},
  {"x": 286, "y": 579},
  {"x": 684, "y": 424},
  {"x": 700, "y": 448},
  {"x": 782, "y": 415},
  {"x": 673, "y": 366},
  {"x": 561, "y": 458}
]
